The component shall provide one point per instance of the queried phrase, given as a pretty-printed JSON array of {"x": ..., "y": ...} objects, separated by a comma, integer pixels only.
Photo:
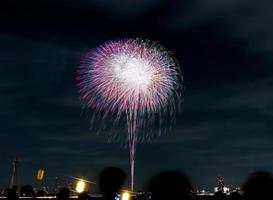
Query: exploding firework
[{"x": 132, "y": 79}]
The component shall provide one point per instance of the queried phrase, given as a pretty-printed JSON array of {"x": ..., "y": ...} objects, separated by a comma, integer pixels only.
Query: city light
[
  {"x": 40, "y": 174},
  {"x": 125, "y": 196},
  {"x": 80, "y": 187}
]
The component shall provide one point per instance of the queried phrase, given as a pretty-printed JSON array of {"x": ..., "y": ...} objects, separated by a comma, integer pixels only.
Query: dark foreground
[
  {"x": 167, "y": 185},
  {"x": 214, "y": 197}
]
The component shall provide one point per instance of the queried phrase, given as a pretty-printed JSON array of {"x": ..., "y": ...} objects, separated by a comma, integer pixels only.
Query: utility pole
[{"x": 14, "y": 177}]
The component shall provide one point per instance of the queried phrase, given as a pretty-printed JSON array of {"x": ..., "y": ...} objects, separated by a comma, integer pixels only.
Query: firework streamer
[{"x": 132, "y": 79}]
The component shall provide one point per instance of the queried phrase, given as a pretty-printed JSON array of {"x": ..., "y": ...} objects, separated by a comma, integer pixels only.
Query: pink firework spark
[{"x": 133, "y": 77}]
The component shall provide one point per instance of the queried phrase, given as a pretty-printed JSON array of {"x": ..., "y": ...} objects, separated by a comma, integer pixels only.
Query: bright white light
[
  {"x": 125, "y": 196},
  {"x": 80, "y": 187},
  {"x": 226, "y": 190},
  {"x": 134, "y": 71}
]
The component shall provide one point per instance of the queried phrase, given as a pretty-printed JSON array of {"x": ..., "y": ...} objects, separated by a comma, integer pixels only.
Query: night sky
[{"x": 225, "y": 51}]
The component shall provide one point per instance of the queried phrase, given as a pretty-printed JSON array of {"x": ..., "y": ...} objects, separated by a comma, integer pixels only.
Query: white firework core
[{"x": 134, "y": 72}]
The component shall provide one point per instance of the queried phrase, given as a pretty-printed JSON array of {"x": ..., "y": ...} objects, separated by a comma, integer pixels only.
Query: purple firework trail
[{"x": 134, "y": 78}]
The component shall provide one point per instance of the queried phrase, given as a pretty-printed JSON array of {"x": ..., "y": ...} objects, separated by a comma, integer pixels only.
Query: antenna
[{"x": 14, "y": 177}]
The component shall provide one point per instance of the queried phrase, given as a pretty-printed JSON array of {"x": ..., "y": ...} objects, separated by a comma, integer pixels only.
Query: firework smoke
[{"x": 134, "y": 78}]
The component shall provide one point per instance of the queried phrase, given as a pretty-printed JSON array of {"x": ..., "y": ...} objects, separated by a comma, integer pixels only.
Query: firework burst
[{"x": 134, "y": 78}]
